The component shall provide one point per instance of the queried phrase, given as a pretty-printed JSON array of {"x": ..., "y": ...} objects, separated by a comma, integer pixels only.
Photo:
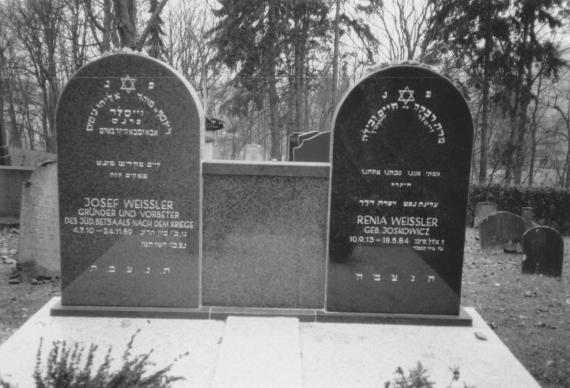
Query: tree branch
[{"x": 149, "y": 24}]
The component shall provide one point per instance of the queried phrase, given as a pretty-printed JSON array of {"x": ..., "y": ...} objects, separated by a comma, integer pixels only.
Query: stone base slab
[{"x": 308, "y": 354}]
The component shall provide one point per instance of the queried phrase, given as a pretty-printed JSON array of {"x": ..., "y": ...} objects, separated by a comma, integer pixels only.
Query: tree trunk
[
  {"x": 522, "y": 125},
  {"x": 52, "y": 96},
  {"x": 533, "y": 128},
  {"x": 335, "y": 55},
  {"x": 519, "y": 146},
  {"x": 484, "y": 130},
  {"x": 126, "y": 20},
  {"x": 107, "y": 26},
  {"x": 299, "y": 66},
  {"x": 568, "y": 163},
  {"x": 273, "y": 98},
  {"x": 485, "y": 101},
  {"x": 4, "y": 153},
  {"x": 15, "y": 134}
]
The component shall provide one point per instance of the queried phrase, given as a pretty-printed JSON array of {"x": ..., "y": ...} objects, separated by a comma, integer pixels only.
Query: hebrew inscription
[
  {"x": 402, "y": 141},
  {"x": 129, "y": 139}
]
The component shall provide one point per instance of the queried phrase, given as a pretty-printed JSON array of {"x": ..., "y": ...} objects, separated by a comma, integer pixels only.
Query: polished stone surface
[
  {"x": 314, "y": 149},
  {"x": 264, "y": 240},
  {"x": 543, "y": 248},
  {"x": 500, "y": 228},
  {"x": 400, "y": 174},
  {"x": 129, "y": 133},
  {"x": 253, "y": 168}
]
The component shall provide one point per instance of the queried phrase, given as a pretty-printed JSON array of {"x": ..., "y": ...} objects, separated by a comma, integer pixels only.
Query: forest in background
[{"x": 268, "y": 68}]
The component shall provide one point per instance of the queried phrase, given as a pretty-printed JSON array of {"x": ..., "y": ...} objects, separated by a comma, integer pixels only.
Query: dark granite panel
[
  {"x": 399, "y": 185},
  {"x": 292, "y": 169},
  {"x": 60, "y": 310},
  {"x": 462, "y": 319},
  {"x": 314, "y": 149},
  {"x": 264, "y": 241},
  {"x": 129, "y": 134},
  {"x": 304, "y": 315}
]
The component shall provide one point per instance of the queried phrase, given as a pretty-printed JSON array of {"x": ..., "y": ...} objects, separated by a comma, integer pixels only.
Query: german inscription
[
  {"x": 402, "y": 143},
  {"x": 129, "y": 139}
]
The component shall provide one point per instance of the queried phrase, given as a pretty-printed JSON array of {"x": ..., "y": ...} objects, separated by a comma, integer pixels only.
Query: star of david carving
[
  {"x": 128, "y": 84},
  {"x": 406, "y": 95}
]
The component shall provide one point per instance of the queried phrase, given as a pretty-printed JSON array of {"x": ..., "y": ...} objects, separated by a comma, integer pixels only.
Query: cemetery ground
[{"x": 530, "y": 313}]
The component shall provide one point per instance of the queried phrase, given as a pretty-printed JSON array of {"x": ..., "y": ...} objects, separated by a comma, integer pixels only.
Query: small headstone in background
[
  {"x": 543, "y": 247},
  {"x": 482, "y": 210},
  {"x": 313, "y": 149},
  {"x": 253, "y": 152},
  {"x": 29, "y": 158},
  {"x": 501, "y": 228},
  {"x": 38, "y": 246},
  {"x": 296, "y": 138},
  {"x": 527, "y": 213}
]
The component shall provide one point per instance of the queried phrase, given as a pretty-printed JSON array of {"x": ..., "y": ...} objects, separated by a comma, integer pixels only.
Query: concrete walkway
[{"x": 277, "y": 352}]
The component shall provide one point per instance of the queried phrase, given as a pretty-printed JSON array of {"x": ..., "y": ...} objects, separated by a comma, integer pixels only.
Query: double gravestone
[
  {"x": 129, "y": 134},
  {"x": 400, "y": 176}
]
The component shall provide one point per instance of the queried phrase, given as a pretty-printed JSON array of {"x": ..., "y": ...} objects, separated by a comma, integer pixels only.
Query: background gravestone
[
  {"x": 482, "y": 210},
  {"x": 129, "y": 133},
  {"x": 527, "y": 213},
  {"x": 400, "y": 174},
  {"x": 501, "y": 228},
  {"x": 296, "y": 138},
  {"x": 39, "y": 234},
  {"x": 314, "y": 149},
  {"x": 543, "y": 248},
  {"x": 252, "y": 152}
]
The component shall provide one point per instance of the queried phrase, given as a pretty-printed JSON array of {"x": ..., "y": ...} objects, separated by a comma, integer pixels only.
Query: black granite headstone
[
  {"x": 543, "y": 248},
  {"x": 129, "y": 133},
  {"x": 400, "y": 174}
]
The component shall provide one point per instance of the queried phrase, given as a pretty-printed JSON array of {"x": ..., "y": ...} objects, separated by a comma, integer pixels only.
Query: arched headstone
[
  {"x": 482, "y": 210},
  {"x": 400, "y": 173},
  {"x": 500, "y": 228},
  {"x": 129, "y": 133},
  {"x": 543, "y": 248}
]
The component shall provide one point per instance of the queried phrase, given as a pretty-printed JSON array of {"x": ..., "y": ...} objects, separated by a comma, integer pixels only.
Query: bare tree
[
  {"x": 38, "y": 23},
  {"x": 187, "y": 49},
  {"x": 403, "y": 26}
]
